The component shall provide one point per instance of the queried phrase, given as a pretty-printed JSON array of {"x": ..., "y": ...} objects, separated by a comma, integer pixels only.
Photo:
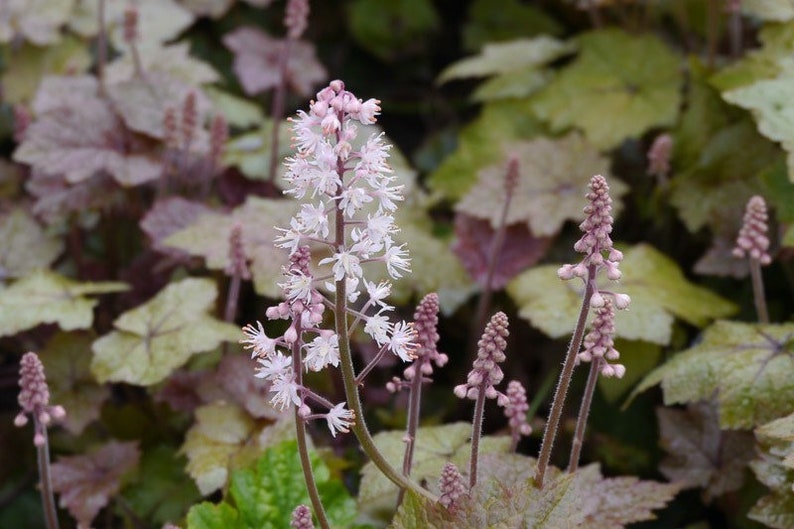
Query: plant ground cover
[{"x": 416, "y": 264}]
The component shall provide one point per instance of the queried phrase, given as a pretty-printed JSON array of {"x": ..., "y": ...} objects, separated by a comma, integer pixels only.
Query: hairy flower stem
[
  {"x": 300, "y": 434},
  {"x": 414, "y": 404},
  {"x": 352, "y": 396},
  {"x": 47, "y": 497},
  {"x": 484, "y": 305},
  {"x": 758, "y": 291},
  {"x": 564, "y": 381},
  {"x": 584, "y": 413},
  {"x": 476, "y": 433},
  {"x": 277, "y": 109}
]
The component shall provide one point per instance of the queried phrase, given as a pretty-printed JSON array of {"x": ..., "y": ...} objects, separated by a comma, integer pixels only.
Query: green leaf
[
  {"x": 372, "y": 24},
  {"x": 209, "y": 237},
  {"x": 619, "y": 87},
  {"x": 507, "y": 57},
  {"x": 747, "y": 366},
  {"x": 762, "y": 63},
  {"x": 553, "y": 178},
  {"x": 769, "y": 9},
  {"x": 47, "y": 297},
  {"x": 639, "y": 357},
  {"x": 481, "y": 144},
  {"x": 208, "y": 515},
  {"x": 505, "y": 498},
  {"x": 251, "y": 151},
  {"x": 435, "y": 445},
  {"x": 511, "y": 85},
  {"x": 498, "y": 20},
  {"x": 215, "y": 443},
  {"x": 238, "y": 112},
  {"x": 265, "y": 496},
  {"x": 659, "y": 293},
  {"x": 770, "y": 102},
  {"x": 152, "y": 340},
  {"x": 26, "y": 65},
  {"x": 774, "y": 510},
  {"x": 162, "y": 491},
  {"x": 25, "y": 246},
  {"x": 723, "y": 178},
  {"x": 67, "y": 361}
]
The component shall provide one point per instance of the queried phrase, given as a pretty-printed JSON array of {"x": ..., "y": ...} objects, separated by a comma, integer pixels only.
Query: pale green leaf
[
  {"x": 511, "y": 85},
  {"x": 770, "y": 101},
  {"x": 47, "y": 297},
  {"x": 746, "y": 367},
  {"x": 153, "y": 339},
  {"x": 24, "y": 246},
  {"x": 208, "y": 237},
  {"x": 659, "y": 293},
  {"x": 251, "y": 151},
  {"x": 506, "y": 57},
  {"x": 619, "y": 87},
  {"x": 67, "y": 361},
  {"x": 219, "y": 433},
  {"x": 762, "y": 63},
  {"x": 481, "y": 144},
  {"x": 553, "y": 178},
  {"x": 775, "y": 510},
  {"x": 173, "y": 60},
  {"x": 26, "y": 65},
  {"x": 238, "y": 112},
  {"x": 435, "y": 445},
  {"x": 210, "y": 8},
  {"x": 639, "y": 358},
  {"x": 223, "y": 438},
  {"x": 159, "y": 21},
  {"x": 772, "y": 10}
]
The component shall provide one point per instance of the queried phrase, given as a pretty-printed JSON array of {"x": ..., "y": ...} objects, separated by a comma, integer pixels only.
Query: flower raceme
[{"x": 348, "y": 196}]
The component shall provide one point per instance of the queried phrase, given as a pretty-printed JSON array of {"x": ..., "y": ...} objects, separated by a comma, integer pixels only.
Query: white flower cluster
[{"x": 348, "y": 199}]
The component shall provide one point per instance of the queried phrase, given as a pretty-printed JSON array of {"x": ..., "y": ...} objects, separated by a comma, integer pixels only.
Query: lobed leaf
[
  {"x": 658, "y": 289},
  {"x": 435, "y": 445},
  {"x": 152, "y": 340},
  {"x": 553, "y": 176},
  {"x": 67, "y": 361},
  {"x": 86, "y": 483},
  {"x": 699, "y": 453},
  {"x": 257, "y": 58},
  {"x": 25, "y": 245},
  {"x": 506, "y": 57},
  {"x": 619, "y": 87},
  {"x": 264, "y": 496},
  {"x": 747, "y": 367},
  {"x": 47, "y": 297}
]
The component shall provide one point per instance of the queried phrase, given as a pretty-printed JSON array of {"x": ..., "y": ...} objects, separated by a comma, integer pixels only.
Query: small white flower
[
  {"x": 323, "y": 350},
  {"x": 274, "y": 366},
  {"x": 353, "y": 199},
  {"x": 377, "y": 293},
  {"x": 258, "y": 341},
  {"x": 290, "y": 238},
  {"x": 387, "y": 196},
  {"x": 377, "y": 327},
  {"x": 298, "y": 287},
  {"x": 345, "y": 264},
  {"x": 402, "y": 341},
  {"x": 285, "y": 391},
  {"x": 396, "y": 258},
  {"x": 339, "y": 419},
  {"x": 314, "y": 219}
]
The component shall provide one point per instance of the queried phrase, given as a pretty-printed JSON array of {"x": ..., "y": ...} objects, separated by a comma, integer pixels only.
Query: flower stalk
[{"x": 753, "y": 243}]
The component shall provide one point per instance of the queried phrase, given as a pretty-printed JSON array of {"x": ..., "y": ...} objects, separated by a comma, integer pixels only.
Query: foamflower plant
[{"x": 347, "y": 197}]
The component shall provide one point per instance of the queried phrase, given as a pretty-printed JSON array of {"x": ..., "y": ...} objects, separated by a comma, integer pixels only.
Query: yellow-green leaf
[
  {"x": 620, "y": 86},
  {"x": 47, "y": 297},
  {"x": 152, "y": 340},
  {"x": 658, "y": 289}
]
